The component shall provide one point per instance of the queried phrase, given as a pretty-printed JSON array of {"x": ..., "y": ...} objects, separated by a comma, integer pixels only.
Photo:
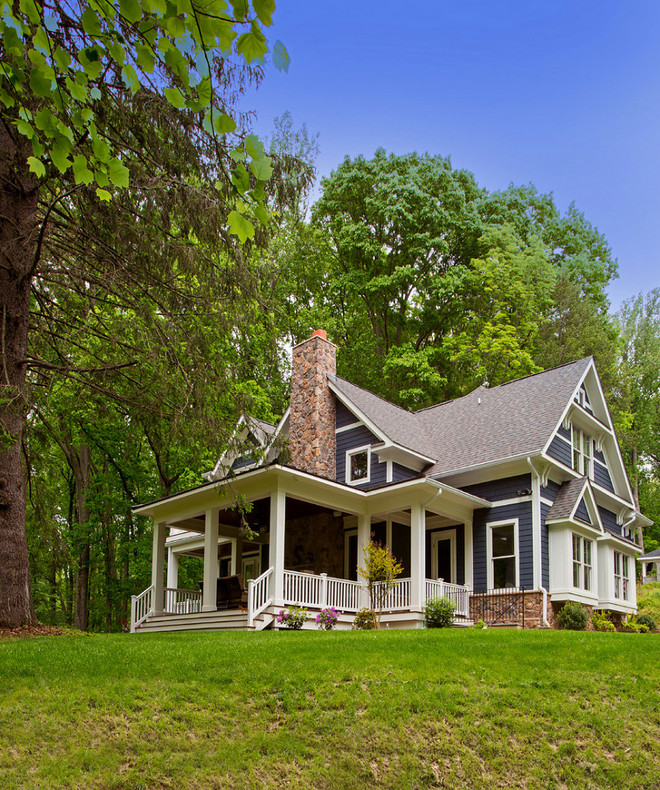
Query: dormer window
[
  {"x": 358, "y": 465},
  {"x": 582, "y": 452}
]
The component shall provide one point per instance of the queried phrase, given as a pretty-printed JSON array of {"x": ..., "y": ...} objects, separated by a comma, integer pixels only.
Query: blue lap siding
[
  {"x": 602, "y": 476},
  {"x": 582, "y": 513},
  {"x": 401, "y": 473},
  {"x": 497, "y": 490},
  {"x": 545, "y": 562},
  {"x": 344, "y": 416},
  {"x": 560, "y": 450},
  {"x": 609, "y": 520},
  {"x": 350, "y": 440}
]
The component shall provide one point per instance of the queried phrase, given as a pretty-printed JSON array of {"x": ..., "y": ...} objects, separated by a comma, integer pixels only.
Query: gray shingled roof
[
  {"x": 566, "y": 499},
  {"x": 652, "y": 555},
  {"x": 486, "y": 425}
]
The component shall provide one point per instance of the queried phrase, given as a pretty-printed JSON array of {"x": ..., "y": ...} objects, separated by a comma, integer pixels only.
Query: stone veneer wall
[
  {"x": 312, "y": 416},
  {"x": 533, "y": 609},
  {"x": 315, "y": 543}
]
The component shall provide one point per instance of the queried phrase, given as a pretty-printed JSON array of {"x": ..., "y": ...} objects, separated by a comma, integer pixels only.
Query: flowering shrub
[
  {"x": 326, "y": 620},
  {"x": 601, "y": 622},
  {"x": 293, "y": 618}
]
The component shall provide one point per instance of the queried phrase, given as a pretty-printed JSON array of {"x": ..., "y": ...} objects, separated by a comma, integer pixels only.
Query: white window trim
[
  {"x": 625, "y": 580},
  {"x": 356, "y": 451},
  {"x": 581, "y": 562},
  {"x": 436, "y": 537},
  {"x": 489, "y": 550}
]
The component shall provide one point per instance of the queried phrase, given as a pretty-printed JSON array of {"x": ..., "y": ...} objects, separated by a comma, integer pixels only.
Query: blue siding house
[{"x": 509, "y": 488}]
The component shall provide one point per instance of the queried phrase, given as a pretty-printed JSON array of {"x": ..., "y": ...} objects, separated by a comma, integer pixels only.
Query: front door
[{"x": 443, "y": 555}]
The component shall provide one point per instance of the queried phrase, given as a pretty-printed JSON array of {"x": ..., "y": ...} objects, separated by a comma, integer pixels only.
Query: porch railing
[
  {"x": 458, "y": 594},
  {"x": 180, "y": 601},
  {"x": 320, "y": 591},
  {"x": 141, "y": 607},
  {"x": 258, "y": 595},
  {"x": 397, "y": 598}
]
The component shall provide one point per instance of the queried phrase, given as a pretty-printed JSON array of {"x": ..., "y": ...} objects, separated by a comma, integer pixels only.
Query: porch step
[{"x": 233, "y": 620}]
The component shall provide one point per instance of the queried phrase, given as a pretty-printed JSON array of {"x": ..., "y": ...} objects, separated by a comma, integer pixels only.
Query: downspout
[{"x": 536, "y": 503}]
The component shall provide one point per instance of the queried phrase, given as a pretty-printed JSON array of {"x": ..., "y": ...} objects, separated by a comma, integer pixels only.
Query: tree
[
  {"x": 638, "y": 400},
  {"x": 72, "y": 79},
  {"x": 433, "y": 285},
  {"x": 380, "y": 570}
]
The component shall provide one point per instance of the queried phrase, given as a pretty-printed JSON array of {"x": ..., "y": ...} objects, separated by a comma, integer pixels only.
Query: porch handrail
[
  {"x": 258, "y": 599},
  {"x": 458, "y": 594},
  {"x": 398, "y": 598},
  {"x": 141, "y": 607},
  {"x": 178, "y": 600},
  {"x": 321, "y": 590}
]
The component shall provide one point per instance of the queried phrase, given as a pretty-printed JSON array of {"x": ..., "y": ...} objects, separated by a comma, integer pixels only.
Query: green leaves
[
  {"x": 241, "y": 227},
  {"x": 81, "y": 172},
  {"x": 40, "y": 82},
  {"x": 174, "y": 97},
  {"x": 252, "y": 45},
  {"x": 130, "y": 10},
  {"x": 264, "y": 10},
  {"x": 281, "y": 58},
  {"x": 118, "y": 173},
  {"x": 36, "y": 166}
]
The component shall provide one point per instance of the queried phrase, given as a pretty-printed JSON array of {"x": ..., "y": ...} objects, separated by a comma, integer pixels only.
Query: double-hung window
[
  {"x": 621, "y": 576},
  {"x": 503, "y": 571},
  {"x": 582, "y": 553},
  {"x": 582, "y": 452}
]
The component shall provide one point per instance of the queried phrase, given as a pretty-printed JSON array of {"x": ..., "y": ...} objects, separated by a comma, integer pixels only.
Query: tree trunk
[
  {"x": 18, "y": 226},
  {"x": 81, "y": 602}
]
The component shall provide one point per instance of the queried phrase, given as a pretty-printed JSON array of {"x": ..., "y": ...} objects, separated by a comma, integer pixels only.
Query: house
[
  {"x": 519, "y": 487},
  {"x": 650, "y": 566}
]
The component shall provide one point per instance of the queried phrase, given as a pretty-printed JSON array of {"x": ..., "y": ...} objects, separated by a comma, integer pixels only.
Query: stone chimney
[{"x": 312, "y": 416}]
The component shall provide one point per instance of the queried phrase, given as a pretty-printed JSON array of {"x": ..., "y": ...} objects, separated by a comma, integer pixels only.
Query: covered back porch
[{"x": 306, "y": 540}]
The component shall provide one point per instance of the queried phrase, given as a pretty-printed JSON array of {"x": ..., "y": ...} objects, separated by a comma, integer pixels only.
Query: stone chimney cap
[{"x": 320, "y": 333}]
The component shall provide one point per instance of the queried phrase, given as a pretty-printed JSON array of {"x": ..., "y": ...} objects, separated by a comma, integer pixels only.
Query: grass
[
  {"x": 416, "y": 709},
  {"x": 648, "y": 600}
]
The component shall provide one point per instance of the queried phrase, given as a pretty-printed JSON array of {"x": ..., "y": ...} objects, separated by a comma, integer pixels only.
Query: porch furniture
[{"x": 231, "y": 594}]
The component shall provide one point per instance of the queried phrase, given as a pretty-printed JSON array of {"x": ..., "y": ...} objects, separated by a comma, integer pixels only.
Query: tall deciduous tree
[{"x": 72, "y": 77}]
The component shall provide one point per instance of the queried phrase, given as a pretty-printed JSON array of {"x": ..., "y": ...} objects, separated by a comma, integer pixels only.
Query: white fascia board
[
  {"x": 401, "y": 455},
  {"x": 588, "y": 530},
  {"x": 485, "y": 465},
  {"x": 387, "y": 442},
  {"x": 620, "y": 543}
]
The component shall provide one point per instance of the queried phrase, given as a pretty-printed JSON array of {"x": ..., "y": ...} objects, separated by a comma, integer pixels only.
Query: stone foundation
[{"x": 487, "y": 607}]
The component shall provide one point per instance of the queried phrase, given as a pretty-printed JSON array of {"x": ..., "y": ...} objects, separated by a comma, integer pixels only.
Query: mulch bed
[{"x": 33, "y": 630}]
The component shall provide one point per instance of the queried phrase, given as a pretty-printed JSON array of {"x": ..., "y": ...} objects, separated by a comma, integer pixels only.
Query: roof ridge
[
  {"x": 373, "y": 394},
  {"x": 541, "y": 372}
]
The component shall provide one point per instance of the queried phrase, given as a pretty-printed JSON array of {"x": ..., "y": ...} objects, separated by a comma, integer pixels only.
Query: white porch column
[
  {"x": 209, "y": 597},
  {"x": 469, "y": 552},
  {"x": 276, "y": 549},
  {"x": 363, "y": 538},
  {"x": 172, "y": 569},
  {"x": 158, "y": 566},
  {"x": 417, "y": 558},
  {"x": 232, "y": 561}
]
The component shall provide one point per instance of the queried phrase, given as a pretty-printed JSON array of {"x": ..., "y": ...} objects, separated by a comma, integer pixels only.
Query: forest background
[{"x": 152, "y": 329}]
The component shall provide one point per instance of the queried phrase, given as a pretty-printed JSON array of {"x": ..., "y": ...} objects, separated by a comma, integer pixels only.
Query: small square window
[{"x": 358, "y": 464}]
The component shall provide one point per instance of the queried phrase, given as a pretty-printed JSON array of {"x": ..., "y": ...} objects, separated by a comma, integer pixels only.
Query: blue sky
[{"x": 564, "y": 95}]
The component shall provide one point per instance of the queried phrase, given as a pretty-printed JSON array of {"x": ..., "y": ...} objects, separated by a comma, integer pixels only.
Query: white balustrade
[
  {"x": 307, "y": 589},
  {"x": 180, "y": 601},
  {"x": 458, "y": 594},
  {"x": 141, "y": 607},
  {"x": 344, "y": 594},
  {"x": 398, "y": 597},
  {"x": 258, "y": 597}
]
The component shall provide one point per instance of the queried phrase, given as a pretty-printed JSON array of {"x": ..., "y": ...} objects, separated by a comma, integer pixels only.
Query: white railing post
[
  {"x": 324, "y": 591},
  {"x": 250, "y": 617},
  {"x": 133, "y": 600}
]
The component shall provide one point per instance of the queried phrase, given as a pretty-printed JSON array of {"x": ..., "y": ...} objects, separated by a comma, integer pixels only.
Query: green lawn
[{"x": 438, "y": 708}]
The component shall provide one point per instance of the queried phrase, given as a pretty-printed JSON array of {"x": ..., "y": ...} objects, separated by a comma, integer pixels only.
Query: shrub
[
  {"x": 572, "y": 616},
  {"x": 647, "y": 620},
  {"x": 439, "y": 612},
  {"x": 480, "y": 624},
  {"x": 293, "y": 618},
  {"x": 632, "y": 626},
  {"x": 365, "y": 620},
  {"x": 601, "y": 621},
  {"x": 326, "y": 620}
]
